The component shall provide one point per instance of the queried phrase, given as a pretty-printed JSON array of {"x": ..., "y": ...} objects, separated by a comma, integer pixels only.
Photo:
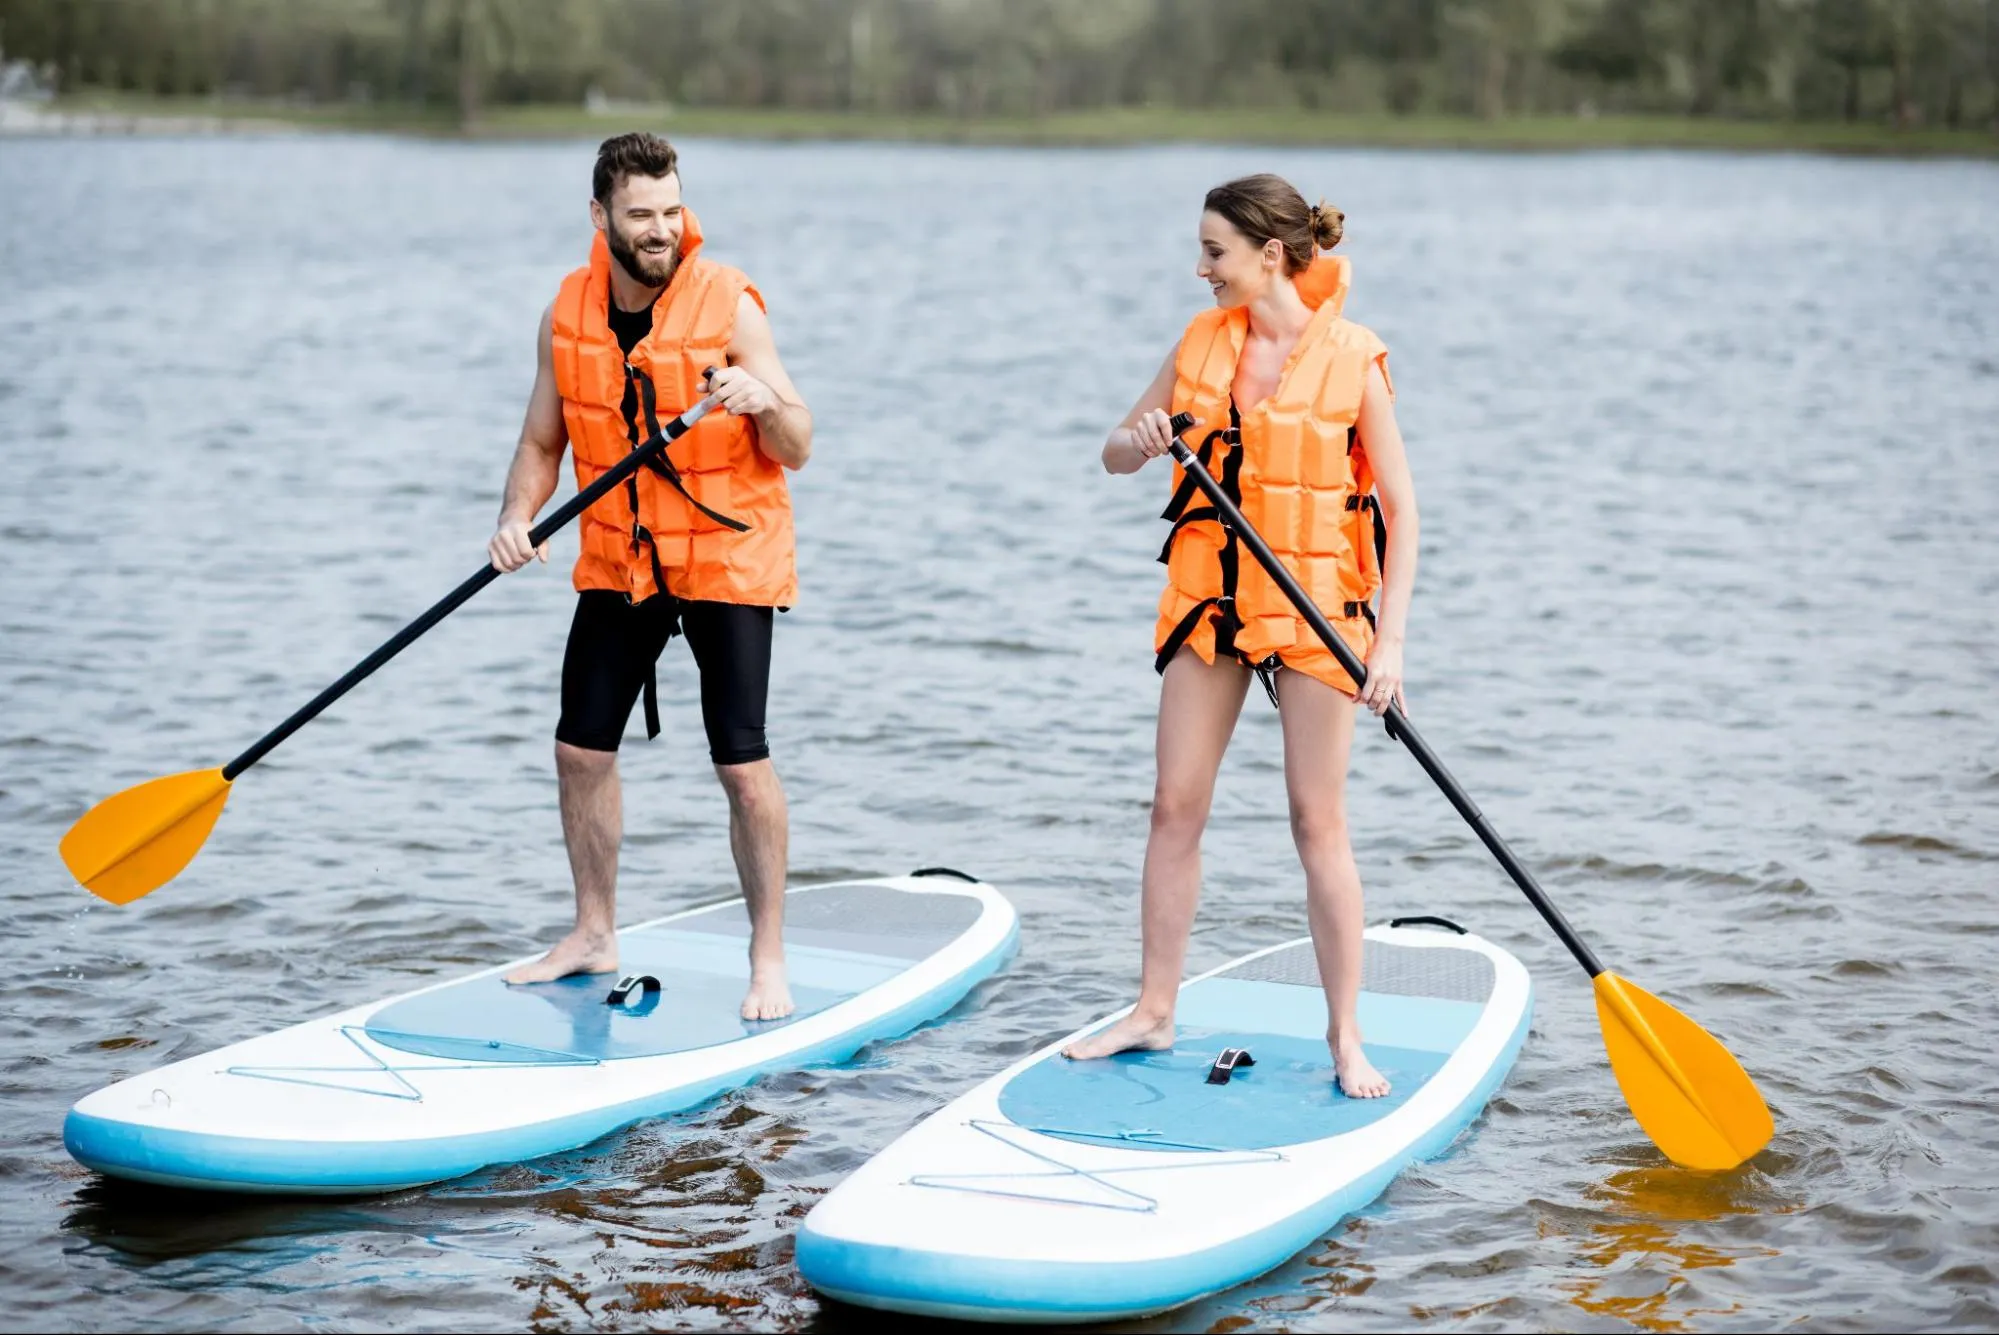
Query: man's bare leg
[
  {"x": 1198, "y": 707},
  {"x": 759, "y": 836},
  {"x": 593, "y": 821},
  {"x": 1318, "y": 737}
]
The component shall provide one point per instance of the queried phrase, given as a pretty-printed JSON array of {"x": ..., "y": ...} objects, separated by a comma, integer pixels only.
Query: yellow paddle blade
[
  {"x": 1686, "y": 1090},
  {"x": 138, "y": 840}
]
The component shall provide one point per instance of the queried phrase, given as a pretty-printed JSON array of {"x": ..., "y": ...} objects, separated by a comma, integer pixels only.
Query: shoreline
[{"x": 105, "y": 114}]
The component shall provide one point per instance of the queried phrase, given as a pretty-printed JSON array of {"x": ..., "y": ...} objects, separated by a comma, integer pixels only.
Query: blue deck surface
[
  {"x": 702, "y": 976},
  {"x": 1162, "y": 1100}
]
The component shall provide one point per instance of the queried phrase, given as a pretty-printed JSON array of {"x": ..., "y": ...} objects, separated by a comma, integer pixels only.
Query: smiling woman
[{"x": 1294, "y": 403}]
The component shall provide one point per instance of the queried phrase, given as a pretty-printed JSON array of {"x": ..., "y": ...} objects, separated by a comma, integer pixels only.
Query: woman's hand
[
  {"x": 1152, "y": 434},
  {"x": 1384, "y": 676}
]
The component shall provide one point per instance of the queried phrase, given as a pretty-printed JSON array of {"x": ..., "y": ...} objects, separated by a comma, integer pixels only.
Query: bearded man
[{"x": 698, "y": 544}]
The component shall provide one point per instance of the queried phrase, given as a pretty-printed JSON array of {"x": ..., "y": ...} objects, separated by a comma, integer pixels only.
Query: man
[{"x": 699, "y": 545}]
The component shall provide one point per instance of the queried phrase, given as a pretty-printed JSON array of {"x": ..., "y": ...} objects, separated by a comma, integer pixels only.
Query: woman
[{"x": 1295, "y": 414}]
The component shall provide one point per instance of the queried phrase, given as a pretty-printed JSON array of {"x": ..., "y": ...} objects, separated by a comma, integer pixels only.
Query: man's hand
[
  {"x": 742, "y": 394},
  {"x": 510, "y": 549}
]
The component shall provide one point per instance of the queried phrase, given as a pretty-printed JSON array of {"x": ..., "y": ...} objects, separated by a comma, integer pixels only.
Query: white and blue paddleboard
[
  {"x": 449, "y": 1079},
  {"x": 1062, "y": 1191}
]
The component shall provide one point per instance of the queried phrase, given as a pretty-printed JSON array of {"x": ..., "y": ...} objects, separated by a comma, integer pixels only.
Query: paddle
[
  {"x": 135, "y": 841},
  {"x": 1687, "y": 1091}
]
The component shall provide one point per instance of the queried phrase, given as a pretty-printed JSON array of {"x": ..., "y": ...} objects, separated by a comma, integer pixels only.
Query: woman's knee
[
  {"x": 1180, "y": 809},
  {"x": 1319, "y": 824}
]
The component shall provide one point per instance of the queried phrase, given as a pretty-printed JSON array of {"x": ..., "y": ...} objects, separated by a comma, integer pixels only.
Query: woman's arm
[
  {"x": 1143, "y": 434},
  {"x": 1381, "y": 438}
]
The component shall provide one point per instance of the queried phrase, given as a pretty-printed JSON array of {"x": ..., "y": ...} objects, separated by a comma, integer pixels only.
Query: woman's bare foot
[
  {"x": 1358, "y": 1078},
  {"x": 579, "y": 952},
  {"x": 1136, "y": 1032},
  {"x": 769, "y": 997}
]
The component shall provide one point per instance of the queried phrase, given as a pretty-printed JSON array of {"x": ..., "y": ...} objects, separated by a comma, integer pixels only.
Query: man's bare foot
[
  {"x": 769, "y": 997},
  {"x": 579, "y": 952},
  {"x": 1358, "y": 1078},
  {"x": 1136, "y": 1032}
]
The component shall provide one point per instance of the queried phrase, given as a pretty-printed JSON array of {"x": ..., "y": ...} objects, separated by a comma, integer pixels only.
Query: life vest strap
[
  {"x": 1184, "y": 493},
  {"x": 659, "y": 463}
]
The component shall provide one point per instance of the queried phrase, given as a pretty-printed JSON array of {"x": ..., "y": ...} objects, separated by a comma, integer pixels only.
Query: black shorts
[{"x": 613, "y": 645}]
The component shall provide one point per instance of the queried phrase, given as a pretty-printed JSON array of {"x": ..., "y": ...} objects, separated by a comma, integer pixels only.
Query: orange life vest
[
  {"x": 1295, "y": 465},
  {"x": 713, "y": 520}
]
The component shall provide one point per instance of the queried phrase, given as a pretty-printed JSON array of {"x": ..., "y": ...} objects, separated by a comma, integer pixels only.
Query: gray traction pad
[
  {"x": 872, "y": 919},
  {"x": 1391, "y": 970}
]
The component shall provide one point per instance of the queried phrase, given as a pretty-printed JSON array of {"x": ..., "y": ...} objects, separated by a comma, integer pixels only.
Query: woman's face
[{"x": 1235, "y": 267}]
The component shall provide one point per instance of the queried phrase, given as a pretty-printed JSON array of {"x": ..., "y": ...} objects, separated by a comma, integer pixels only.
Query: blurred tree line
[{"x": 1907, "y": 62}]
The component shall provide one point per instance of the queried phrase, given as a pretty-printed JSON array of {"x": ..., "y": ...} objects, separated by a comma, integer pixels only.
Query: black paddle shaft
[
  {"x": 1398, "y": 724},
  {"x": 450, "y": 603}
]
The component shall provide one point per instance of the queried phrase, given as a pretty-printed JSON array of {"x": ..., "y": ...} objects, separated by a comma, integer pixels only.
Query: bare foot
[
  {"x": 579, "y": 952},
  {"x": 769, "y": 997},
  {"x": 1358, "y": 1078},
  {"x": 1136, "y": 1032}
]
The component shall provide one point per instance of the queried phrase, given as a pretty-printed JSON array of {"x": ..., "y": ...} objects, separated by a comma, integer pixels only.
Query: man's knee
[
  {"x": 752, "y": 787},
  {"x": 580, "y": 762}
]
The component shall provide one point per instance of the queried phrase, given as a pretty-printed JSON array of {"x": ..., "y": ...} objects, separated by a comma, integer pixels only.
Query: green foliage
[{"x": 1900, "y": 62}]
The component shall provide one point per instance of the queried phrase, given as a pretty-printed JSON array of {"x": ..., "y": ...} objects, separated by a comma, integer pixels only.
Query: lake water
[{"x": 1708, "y": 454}]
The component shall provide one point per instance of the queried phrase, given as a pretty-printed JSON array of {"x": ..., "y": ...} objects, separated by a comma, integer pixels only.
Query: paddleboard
[
  {"x": 442, "y": 1081},
  {"x": 1063, "y": 1191}
]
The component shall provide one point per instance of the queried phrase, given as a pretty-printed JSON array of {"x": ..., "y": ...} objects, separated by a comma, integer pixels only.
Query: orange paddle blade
[
  {"x": 1686, "y": 1090},
  {"x": 138, "y": 840}
]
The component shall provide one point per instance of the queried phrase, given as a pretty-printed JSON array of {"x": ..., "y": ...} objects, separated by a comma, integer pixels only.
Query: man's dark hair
[{"x": 635, "y": 154}]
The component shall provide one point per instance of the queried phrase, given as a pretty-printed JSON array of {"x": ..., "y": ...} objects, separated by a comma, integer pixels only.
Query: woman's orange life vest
[
  {"x": 1295, "y": 465},
  {"x": 712, "y": 522}
]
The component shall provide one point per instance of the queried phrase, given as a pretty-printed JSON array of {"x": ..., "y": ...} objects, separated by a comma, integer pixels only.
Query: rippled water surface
[{"x": 1709, "y": 470}]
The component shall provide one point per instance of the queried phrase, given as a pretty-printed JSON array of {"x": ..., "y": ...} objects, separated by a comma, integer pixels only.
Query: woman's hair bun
[{"x": 1328, "y": 225}]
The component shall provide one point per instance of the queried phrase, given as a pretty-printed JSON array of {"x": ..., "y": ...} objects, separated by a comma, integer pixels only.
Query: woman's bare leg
[
  {"x": 1198, "y": 706},
  {"x": 1318, "y": 738}
]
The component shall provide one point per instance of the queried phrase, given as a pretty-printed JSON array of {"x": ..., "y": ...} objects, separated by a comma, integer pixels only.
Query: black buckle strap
[{"x": 1226, "y": 1065}]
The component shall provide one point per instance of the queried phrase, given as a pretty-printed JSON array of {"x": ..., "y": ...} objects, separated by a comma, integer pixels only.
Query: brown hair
[
  {"x": 1266, "y": 207},
  {"x": 635, "y": 154}
]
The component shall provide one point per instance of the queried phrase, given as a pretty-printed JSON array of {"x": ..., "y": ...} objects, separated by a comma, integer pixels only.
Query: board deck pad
[
  {"x": 836, "y": 946},
  {"x": 1162, "y": 1101}
]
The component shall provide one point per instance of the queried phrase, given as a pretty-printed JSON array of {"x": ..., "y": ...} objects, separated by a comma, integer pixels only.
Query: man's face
[{"x": 642, "y": 226}]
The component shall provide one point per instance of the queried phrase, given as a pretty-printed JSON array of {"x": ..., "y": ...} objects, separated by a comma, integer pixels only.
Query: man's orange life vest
[
  {"x": 713, "y": 520},
  {"x": 1295, "y": 465}
]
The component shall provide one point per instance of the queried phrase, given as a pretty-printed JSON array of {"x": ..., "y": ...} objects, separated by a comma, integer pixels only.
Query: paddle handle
[
  {"x": 451, "y": 602},
  {"x": 1398, "y": 724}
]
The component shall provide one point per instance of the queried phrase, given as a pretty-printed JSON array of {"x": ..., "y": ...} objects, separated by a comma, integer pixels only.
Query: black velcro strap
[
  {"x": 1372, "y": 505},
  {"x": 1180, "y": 634},
  {"x": 1226, "y": 1065},
  {"x": 1187, "y": 517}
]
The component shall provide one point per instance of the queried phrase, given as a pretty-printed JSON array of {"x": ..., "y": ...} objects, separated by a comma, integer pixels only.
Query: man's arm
[
  {"x": 537, "y": 465},
  {"x": 754, "y": 384}
]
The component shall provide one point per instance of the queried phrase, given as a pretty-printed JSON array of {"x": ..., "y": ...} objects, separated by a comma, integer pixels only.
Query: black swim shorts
[{"x": 614, "y": 643}]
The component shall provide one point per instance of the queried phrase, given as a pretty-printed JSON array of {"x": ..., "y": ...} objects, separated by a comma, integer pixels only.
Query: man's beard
[{"x": 651, "y": 272}]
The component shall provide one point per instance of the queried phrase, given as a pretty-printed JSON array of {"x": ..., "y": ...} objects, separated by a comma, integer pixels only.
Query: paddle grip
[
  {"x": 452, "y": 601},
  {"x": 1397, "y": 723}
]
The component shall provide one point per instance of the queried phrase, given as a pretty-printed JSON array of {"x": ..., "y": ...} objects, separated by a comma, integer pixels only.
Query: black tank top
[
  {"x": 631, "y": 326},
  {"x": 628, "y": 327}
]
